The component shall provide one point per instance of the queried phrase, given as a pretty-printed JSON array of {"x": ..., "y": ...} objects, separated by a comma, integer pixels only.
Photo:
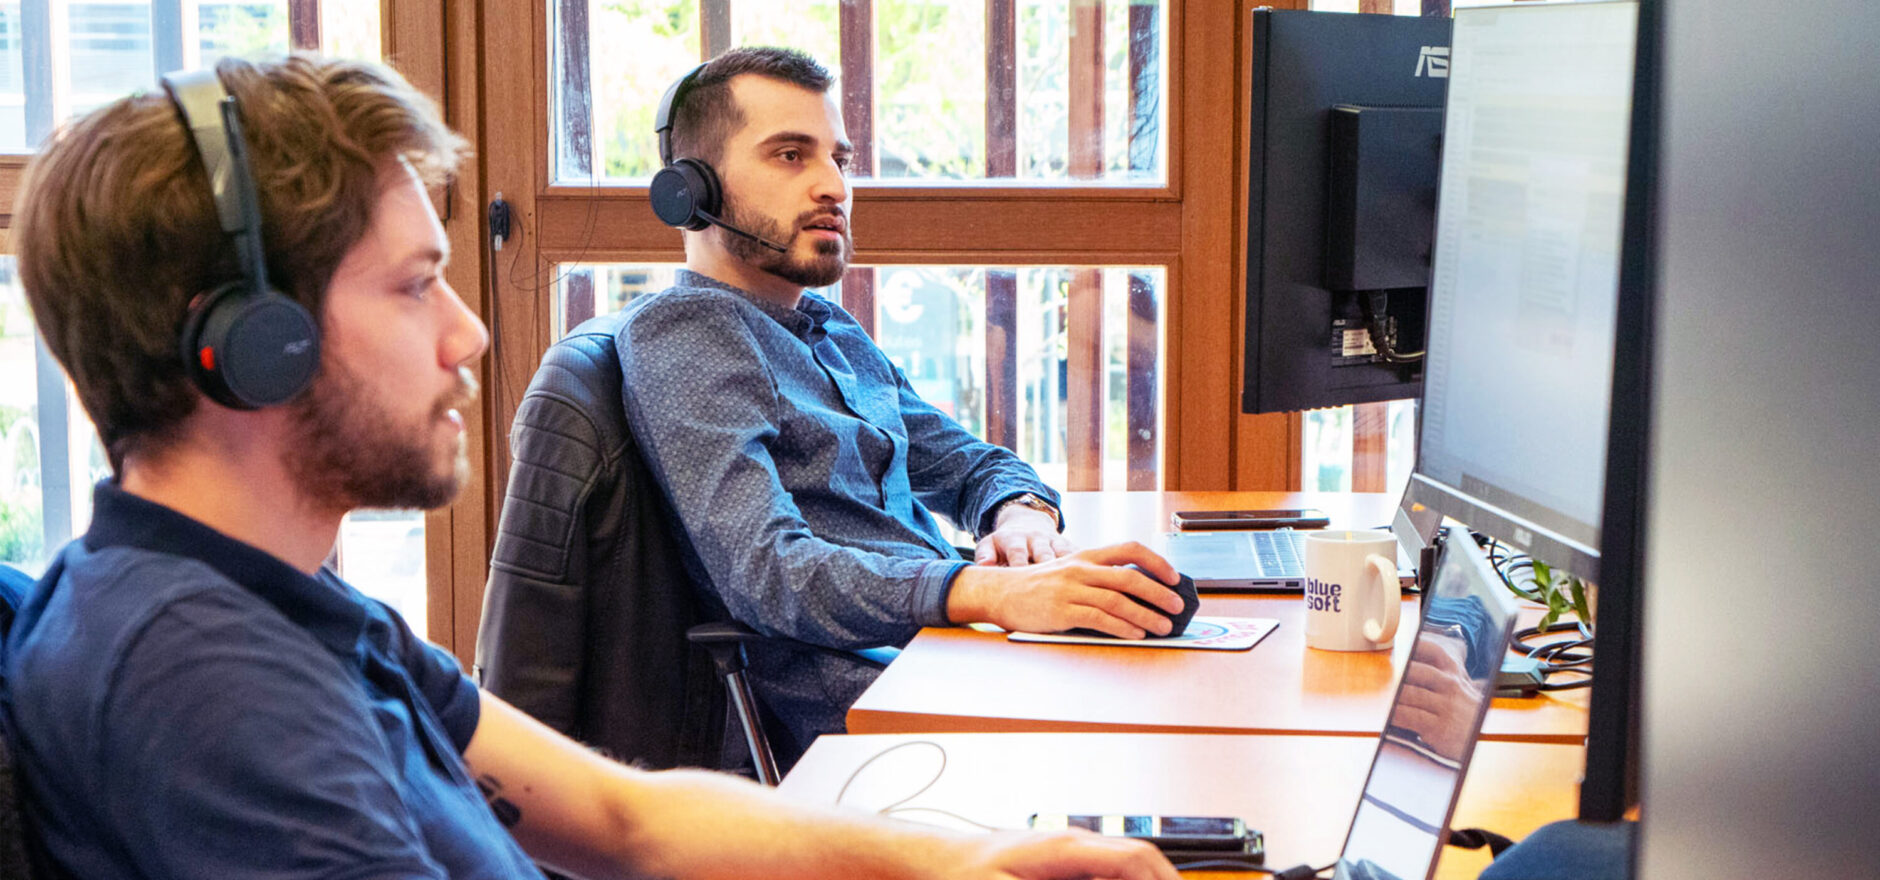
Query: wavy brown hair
[{"x": 116, "y": 231}]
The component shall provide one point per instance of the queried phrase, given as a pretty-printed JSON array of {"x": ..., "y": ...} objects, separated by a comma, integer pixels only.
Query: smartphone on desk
[
  {"x": 1292, "y": 518},
  {"x": 1187, "y": 835}
]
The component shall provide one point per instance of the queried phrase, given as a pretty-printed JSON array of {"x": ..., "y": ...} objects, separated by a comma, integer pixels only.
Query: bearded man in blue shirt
[
  {"x": 804, "y": 469},
  {"x": 189, "y": 693}
]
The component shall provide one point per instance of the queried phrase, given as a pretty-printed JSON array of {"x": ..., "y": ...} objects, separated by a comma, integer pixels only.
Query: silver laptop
[
  {"x": 1274, "y": 559},
  {"x": 1402, "y": 819}
]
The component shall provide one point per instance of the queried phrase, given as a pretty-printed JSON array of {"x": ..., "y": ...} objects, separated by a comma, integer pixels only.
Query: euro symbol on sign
[{"x": 1433, "y": 62}]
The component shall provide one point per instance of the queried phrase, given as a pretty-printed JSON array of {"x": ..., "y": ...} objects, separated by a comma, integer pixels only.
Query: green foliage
[
  {"x": 1557, "y": 590},
  {"x": 22, "y": 532},
  {"x": 244, "y": 31}
]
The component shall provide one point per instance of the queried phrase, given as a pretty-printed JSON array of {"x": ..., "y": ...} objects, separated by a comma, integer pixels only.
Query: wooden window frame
[
  {"x": 1192, "y": 226},
  {"x": 415, "y": 34},
  {"x": 469, "y": 54}
]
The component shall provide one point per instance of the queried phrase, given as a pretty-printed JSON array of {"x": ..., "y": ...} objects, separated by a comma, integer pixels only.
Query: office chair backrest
[
  {"x": 590, "y": 597},
  {"x": 14, "y": 585}
]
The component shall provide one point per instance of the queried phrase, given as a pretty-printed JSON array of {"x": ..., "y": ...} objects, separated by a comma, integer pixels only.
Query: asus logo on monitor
[{"x": 1433, "y": 62}]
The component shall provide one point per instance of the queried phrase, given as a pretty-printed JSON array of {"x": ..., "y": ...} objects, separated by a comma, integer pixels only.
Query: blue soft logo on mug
[{"x": 1321, "y": 596}]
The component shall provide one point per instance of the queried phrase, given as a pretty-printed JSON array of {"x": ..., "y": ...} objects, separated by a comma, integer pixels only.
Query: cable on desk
[
  {"x": 898, "y": 807},
  {"x": 1296, "y": 872},
  {"x": 1572, "y": 657}
]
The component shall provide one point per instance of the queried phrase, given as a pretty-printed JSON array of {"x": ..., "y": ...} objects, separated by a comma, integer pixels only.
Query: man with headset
[
  {"x": 804, "y": 469},
  {"x": 190, "y": 693}
]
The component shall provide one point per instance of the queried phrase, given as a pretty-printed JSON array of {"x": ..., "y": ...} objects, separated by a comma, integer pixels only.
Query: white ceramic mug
[{"x": 1353, "y": 597}]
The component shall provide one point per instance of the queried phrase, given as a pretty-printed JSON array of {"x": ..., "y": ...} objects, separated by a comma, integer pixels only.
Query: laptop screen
[{"x": 1446, "y": 688}]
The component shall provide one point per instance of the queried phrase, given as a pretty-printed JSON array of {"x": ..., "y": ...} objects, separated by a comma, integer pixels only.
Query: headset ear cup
[
  {"x": 682, "y": 191},
  {"x": 249, "y": 351},
  {"x": 710, "y": 194}
]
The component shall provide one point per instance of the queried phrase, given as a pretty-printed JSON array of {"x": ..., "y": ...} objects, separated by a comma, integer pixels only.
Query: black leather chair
[{"x": 591, "y": 595}]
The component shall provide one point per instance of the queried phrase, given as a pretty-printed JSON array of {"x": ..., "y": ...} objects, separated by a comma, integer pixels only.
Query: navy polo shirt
[{"x": 186, "y": 705}]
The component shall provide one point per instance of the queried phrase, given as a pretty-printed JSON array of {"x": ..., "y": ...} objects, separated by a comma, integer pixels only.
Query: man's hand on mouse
[
  {"x": 1021, "y": 536},
  {"x": 1088, "y": 589}
]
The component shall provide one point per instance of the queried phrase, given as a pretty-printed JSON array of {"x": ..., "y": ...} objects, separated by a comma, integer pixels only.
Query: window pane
[
  {"x": 48, "y": 466},
  {"x": 382, "y": 553},
  {"x": 1076, "y": 91},
  {"x": 12, "y": 81},
  {"x": 95, "y": 53},
  {"x": 1327, "y": 437},
  {"x": 49, "y": 453},
  {"x": 1325, "y": 463},
  {"x": 996, "y": 348},
  {"x": 22, "y": 510}
]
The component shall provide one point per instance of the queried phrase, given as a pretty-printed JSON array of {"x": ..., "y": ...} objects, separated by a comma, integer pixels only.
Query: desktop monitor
[
  {"x": 1344, "y": 133},
  {"x": 1759, "y": 747},
  {"x": 1535, "y": 376}
]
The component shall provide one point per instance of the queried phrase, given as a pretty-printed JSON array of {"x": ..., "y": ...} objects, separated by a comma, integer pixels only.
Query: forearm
[
  {"x": 805, "y": 588},
  {"x": 695, "y": 824}
]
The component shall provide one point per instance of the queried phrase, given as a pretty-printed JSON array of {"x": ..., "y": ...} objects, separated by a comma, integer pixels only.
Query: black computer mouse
[{"x": 1191, "y": 602}]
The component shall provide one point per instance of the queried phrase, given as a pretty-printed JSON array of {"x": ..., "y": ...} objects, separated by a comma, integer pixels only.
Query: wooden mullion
[
  {"x": 1086, "y": 89},
  {"x": 1370, "y": 423},
  {"x": 1144, "y": 82},
  {"x": 1084, "y": 378},
  {"x": 858, "y": 82},
  {"x": 714, "y": 31},
  {"x": 36, "y": 70},
  {"x": 1002, "y": 358},
  {"x": 578, "y": 303},
  {"x": 514, "y": 147},
  {"x": 1143, "y": 332},
  {"x": 166, "y": 35},
  {"x": 1376, "y": 7},
  {"x": 1001, "y": 89},
  {"x": 303, "y": 25},
  {"x": 858, "y": 296},
  {"x": 574, "y": 96},
  {"x": 1436, "y": 8}
]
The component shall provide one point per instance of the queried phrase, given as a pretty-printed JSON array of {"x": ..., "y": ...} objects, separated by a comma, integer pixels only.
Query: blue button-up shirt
[
  {"x": 186, "y": 705},
  {"x": 806, "y": 473}
]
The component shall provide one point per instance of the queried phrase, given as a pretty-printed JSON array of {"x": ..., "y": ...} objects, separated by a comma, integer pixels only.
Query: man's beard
[
  {"x": 353, "y": 453},
  {"x": 823, "y": 269}
]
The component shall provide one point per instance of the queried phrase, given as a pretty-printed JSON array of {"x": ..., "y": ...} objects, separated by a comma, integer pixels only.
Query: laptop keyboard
[{"x": 1278, "y": 552}]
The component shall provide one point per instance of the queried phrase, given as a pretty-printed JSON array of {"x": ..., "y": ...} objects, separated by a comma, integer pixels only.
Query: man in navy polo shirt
[{"x": 189, "y": 692}]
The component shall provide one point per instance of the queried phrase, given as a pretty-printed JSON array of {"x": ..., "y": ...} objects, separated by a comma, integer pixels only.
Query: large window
[
  {"x": 96, "y": 52},
  {"x": 1000, "y": 349},
  {"x": 1031, "y": 91},
  {"x": 1017, "y": 221}
]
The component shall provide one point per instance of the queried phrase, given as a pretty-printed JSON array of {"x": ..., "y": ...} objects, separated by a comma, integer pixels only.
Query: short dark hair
[
  {"x": 116, "y": 231},
  {"x": 707, "y": 114}
]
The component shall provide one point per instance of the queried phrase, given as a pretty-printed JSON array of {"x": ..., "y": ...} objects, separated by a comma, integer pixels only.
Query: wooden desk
[
  {"x": 963, "y": 680},
  {"x": 1299, "y": 791}
]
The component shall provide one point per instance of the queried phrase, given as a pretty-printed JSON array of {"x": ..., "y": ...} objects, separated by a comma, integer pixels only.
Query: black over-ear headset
[
  {"x": 244, "y": 344},
  {"x": 686, "y": 192}
]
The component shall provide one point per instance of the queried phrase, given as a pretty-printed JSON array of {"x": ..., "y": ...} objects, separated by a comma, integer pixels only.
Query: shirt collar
[
  {"x": 324, "y": 606},
  {"x": 804, "y": 322}
]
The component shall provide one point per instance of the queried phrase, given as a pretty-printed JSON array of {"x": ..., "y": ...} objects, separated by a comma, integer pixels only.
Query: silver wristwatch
[{"x": 1035, "y": 503}]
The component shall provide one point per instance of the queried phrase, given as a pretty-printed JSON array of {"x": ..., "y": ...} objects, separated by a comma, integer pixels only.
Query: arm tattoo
[{"x": 506, "y": 811}]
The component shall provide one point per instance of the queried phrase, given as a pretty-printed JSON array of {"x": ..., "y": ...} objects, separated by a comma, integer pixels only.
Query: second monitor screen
[{"x": 1518, "y": 383}]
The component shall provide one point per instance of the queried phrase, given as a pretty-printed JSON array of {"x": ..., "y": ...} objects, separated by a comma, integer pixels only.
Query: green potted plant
[{"x": 1559, "y": 591}]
